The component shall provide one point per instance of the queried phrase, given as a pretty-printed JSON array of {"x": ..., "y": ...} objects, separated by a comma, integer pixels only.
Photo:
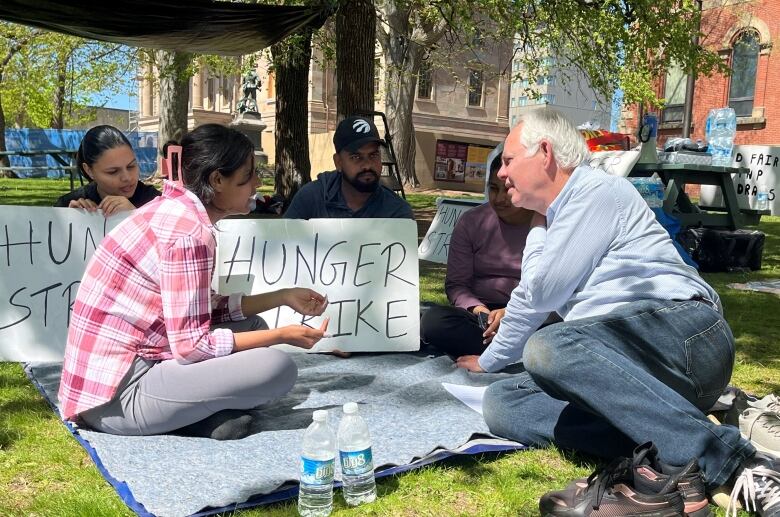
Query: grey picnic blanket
[{"x": 412, "y": 419}]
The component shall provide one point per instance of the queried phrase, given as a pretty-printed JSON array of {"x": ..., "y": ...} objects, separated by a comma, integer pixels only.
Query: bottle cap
[
  {"x": 320, "y": 415},
  {"x": 350, "y": 408}
]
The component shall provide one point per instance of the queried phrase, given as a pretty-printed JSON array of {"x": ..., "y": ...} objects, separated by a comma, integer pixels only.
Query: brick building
[{"x": 743, "y": 34}]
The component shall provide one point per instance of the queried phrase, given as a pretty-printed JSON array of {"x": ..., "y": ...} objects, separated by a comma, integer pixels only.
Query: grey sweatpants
[{"x": 157, "y": 397}]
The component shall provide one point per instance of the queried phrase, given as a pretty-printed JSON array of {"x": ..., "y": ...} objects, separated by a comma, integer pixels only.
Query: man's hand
[
  {"x": 86, "y": 204},
  {"x": 115, "y": 204},
  {"x": 304, "y": 301},
  {"x": 470, "y": 363},
  {"x": 494, "y": 320},
  {"x": 538, "y": 220}
]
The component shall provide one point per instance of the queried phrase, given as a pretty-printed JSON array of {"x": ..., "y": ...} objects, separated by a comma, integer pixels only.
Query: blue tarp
[{"x": 144, "y": 145}]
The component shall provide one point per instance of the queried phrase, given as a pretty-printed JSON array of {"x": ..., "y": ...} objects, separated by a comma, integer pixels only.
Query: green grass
[{"x": 44, "y": 472}]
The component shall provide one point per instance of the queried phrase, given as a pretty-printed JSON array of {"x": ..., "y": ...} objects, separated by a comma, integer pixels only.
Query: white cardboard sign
[
  {"x": 763, "y": 162},
  {"x": 367, "y": 267},
  {"x": 43, "y": 255},
  {"x": 435, "y": 245}
]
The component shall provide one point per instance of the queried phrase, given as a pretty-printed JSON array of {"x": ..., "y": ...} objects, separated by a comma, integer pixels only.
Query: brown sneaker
[{"x": 608, "y": 493}]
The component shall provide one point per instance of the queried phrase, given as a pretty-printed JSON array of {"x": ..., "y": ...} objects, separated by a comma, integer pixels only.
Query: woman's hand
[
  {"x": 304, "y": 301},
  {"x": 114, "y": 204},
  {"x": 470, "y": 363},
  {"x": 303, "y": 336},
  {"x": 494, "y": 320},
  {"x": 84, "y": 203}
]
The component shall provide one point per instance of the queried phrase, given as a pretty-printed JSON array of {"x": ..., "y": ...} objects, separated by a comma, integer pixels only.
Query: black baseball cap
[{"x": 354, "y": 132}]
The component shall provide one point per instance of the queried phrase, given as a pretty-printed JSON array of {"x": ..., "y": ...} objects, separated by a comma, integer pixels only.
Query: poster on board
[
  {"x": 367, "y": 267},
  {"x": 450, "y": 161}
]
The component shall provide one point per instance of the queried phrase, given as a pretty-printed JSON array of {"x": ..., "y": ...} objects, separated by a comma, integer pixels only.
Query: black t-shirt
[{"x": 142, "y": 195}]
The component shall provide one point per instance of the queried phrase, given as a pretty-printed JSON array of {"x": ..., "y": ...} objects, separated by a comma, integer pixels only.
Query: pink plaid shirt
[{"x": 147, "y": 293}]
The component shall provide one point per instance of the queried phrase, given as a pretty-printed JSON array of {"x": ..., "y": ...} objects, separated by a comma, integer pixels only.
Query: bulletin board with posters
[{"x": 460, "y": 163}]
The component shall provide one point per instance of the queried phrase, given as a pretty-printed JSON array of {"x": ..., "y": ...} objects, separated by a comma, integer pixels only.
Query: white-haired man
[{"x": 643, "y": 349}]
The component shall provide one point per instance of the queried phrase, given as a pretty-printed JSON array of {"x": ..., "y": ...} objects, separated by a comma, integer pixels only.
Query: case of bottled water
[
  {"x": 651, "y": 189},
  {"x": 357, "y": 462},
  {"x": 720, "y": 130},
  {"x": 318, "y": 458}
]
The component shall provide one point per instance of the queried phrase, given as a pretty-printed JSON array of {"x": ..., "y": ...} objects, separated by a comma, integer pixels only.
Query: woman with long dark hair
[
  {"x": 145, "y": 354},
  {"x": 106, "y": 158}
]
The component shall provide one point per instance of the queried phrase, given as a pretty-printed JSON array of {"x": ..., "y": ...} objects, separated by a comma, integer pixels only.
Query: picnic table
[
  {"x": 676, "y": 202},
  {"x": 65, "y": 159}
]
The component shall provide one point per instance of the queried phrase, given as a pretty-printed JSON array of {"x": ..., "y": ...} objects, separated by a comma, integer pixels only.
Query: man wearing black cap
[{"x": 353, "y": 189}]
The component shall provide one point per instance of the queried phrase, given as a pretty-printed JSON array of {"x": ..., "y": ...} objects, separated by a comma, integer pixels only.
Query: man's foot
[
  {"x": 609, "y": 492},
  {"x": 652, "y": 476},
  {"x": 757, "y": 485}
]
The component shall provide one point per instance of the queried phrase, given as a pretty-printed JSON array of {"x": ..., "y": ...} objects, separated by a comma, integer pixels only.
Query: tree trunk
[
  {"x": 355, "y": 50},
  {"x": 58, "y": 118},
  {"x": 402, "y": 63},
  {"x": 4, "y": 162},
  {"x": 291, "y": 60},
  {"x": 172, "y": 68}
]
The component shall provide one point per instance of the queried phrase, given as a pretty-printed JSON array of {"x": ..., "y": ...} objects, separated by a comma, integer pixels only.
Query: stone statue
[{"x": 248, "y": 103}]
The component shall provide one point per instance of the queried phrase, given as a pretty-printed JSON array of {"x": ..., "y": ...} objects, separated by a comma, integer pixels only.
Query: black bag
[{"x": 724, "y": 250}]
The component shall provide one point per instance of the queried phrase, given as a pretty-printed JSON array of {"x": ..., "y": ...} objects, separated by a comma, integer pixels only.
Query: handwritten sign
[
  {"x": 43, "y": 255},
  {"x": 763, "y": 162},
  {"x": 368, "y": 268},
  {"x": 436, "y": 244}
]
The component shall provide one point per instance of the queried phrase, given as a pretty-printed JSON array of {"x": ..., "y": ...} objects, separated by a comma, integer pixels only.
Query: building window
[
  {"x": 548, "y": 98},
  {"x": 211, "y": 89},
  {"x": 476, "y": 85},
  {"x": 674, "y": 94},
  {"x": 744, "y": 61},
  {"x": 226, "y": 90},
  {"x": 522, "y": 101},
  {"x": 551, "y": 80},
  {"x": 514, "y": 121},
  {"x": 425, "y": 81},
  {"x": 270, "y": 85},
  {"x": 377, "y": 76}
]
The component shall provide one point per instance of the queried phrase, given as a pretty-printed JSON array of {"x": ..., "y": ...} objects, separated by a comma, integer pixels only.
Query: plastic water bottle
[
  {"x": 357, "y": 462},
  {"x": 762, "y": 200},
  {"x": 318, "y": 458},
  {"x": 722, "y": 124}
]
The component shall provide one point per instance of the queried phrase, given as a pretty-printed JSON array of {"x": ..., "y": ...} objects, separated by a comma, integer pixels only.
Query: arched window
[{"x": 744, "y": 61}]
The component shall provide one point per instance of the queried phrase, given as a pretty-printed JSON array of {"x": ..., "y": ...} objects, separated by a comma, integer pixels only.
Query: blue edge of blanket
[{"x": 280, "y": 495}]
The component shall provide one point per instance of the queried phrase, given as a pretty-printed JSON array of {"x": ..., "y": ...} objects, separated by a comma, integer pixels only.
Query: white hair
[{"x": 568, "y": 144}]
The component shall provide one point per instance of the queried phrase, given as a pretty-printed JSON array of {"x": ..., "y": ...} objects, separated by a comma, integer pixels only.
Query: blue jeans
[{"x": 644, "y": 372}]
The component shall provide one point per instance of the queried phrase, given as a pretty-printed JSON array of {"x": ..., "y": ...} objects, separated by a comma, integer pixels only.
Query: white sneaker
[
  {"x": 762, "y": 428},
  {"x": 768, "y": 403}
]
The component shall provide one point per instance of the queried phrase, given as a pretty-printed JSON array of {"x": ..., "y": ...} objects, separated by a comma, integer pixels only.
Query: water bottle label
[
  {"x": 356, "y": 463},
  {"x": 317, "y": 472}
]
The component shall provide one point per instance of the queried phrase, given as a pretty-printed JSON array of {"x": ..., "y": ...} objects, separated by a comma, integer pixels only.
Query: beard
[{"x": 362, "y": 186}]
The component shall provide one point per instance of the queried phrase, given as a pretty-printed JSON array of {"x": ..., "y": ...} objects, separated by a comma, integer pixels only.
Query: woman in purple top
[{"x": 483, "y": 267}]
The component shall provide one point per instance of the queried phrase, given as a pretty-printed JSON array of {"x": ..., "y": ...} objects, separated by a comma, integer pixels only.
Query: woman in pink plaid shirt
[{"x": 151, "y": 349}]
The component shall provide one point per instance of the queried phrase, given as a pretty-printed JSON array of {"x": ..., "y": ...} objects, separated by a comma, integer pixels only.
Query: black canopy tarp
[{"x": 188, "y": 25}]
